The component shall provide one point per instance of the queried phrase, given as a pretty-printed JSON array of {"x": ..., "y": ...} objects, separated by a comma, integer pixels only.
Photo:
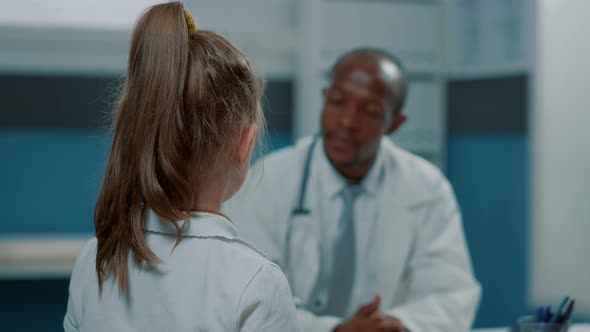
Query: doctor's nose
[{"x": 349, "y": 117}]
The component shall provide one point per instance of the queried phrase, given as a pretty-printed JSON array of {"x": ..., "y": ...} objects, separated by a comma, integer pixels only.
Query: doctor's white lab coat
[{"x": 423, "y": 268}]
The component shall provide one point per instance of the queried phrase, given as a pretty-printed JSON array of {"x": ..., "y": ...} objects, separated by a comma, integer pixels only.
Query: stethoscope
[{"x": 300, "y": 209}]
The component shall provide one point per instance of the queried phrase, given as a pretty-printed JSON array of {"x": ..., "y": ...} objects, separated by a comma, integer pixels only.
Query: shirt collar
[
  {"x": 336, "y": 183},
  {"x": 199, "y": 224}
]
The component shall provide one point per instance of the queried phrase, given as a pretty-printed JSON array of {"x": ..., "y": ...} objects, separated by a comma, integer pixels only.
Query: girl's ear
[{"x": 246, "y": 143}]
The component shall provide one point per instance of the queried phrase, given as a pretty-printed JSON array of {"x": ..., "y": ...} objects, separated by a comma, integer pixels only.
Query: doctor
[{"x": 369, "y": 235}]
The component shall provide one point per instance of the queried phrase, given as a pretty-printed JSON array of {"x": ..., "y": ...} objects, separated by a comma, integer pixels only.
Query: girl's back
[
  {"x": 164, "y": 257},
  {"x": 212, "y": 281}
]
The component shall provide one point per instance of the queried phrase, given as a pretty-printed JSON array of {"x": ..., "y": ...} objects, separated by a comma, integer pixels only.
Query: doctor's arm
[{"x": 442, "y": 293}]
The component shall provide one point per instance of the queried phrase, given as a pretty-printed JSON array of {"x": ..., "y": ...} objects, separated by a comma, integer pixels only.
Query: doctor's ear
[
  {"x": 398, "y": 120},
  {"x": 245, "y": 145}
]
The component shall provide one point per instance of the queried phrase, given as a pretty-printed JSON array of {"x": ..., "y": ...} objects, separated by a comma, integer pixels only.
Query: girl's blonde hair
[{"x": 186, "y": 94}]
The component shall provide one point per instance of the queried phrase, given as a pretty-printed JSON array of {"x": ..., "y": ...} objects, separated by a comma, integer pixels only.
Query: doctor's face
[{"x": 357, "y": 112}]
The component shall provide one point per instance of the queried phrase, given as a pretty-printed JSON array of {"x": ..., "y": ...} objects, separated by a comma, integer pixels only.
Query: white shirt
[
  {"x": 212, "y": 281},
  {"x": 366, "y": 212}
]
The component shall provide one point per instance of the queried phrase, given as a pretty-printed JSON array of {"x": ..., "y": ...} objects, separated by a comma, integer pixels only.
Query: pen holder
[{"x": 528, "y": 324}]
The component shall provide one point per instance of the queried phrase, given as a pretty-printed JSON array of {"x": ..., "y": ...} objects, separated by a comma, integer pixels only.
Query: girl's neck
[
  {"x": 207, "y": 203},
  {"x": 210, "y": 192}
]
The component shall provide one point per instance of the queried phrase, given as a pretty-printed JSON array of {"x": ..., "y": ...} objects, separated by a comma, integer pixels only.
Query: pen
[
  {"x": 565, "y": 316},
  {"x": 539, "y": 314},
  {"x": 559, "y": 310},
  {"x": 546, "y": 314}
]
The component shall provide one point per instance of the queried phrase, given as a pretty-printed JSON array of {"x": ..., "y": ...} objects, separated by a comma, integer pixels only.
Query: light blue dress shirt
[{"x": 212, "y": 281}]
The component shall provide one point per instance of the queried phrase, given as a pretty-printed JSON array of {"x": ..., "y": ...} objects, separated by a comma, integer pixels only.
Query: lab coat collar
[
  {"x": 336, "y": 183},
  {"x": 374, "y": 178},
  {"x": 200, "y": 224}
]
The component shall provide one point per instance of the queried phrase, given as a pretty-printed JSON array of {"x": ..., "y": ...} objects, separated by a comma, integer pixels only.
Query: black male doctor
[{"x": 369, "y": 235}]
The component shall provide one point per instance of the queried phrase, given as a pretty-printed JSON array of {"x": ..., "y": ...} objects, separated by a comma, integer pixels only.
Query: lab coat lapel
[
  {"x": 304, "y": 244},
  {"x": 394, "y": 233}
]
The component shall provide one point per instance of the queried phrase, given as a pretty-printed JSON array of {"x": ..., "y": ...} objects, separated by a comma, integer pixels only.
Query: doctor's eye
[
  {"x": 334, "y": 96},
  {"x": 374, "y": 110}
]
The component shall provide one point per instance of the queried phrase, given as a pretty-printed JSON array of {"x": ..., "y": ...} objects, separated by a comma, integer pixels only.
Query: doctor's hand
[
  {"x": 389, "y": 324},
  {"x": 368, "y": 318},
  {"x": 364, "y": 319}
]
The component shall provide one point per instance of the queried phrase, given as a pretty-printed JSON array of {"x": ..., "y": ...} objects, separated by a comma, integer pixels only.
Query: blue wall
[
  {"x": 489, "y": 174},
  {"x": 50, "y": 179}
]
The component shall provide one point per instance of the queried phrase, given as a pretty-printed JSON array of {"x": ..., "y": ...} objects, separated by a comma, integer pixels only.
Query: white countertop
[{"x": 42, "y": 256}]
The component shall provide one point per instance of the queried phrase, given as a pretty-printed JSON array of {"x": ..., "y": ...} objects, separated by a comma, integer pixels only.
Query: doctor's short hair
[
  {"x": 186, "y": 94},
  {"x": 377, "y": 54}
]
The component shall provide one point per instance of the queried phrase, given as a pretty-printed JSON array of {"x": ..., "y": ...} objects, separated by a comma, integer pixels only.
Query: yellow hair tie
[{"x": 190, "y": 23}]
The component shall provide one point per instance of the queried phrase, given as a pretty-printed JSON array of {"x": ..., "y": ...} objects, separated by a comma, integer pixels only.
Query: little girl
[{"x": 164, "y": 257}]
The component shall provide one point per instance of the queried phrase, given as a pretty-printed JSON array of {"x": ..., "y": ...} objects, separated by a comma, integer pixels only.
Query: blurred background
[{"x": 498, "y": 100}]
